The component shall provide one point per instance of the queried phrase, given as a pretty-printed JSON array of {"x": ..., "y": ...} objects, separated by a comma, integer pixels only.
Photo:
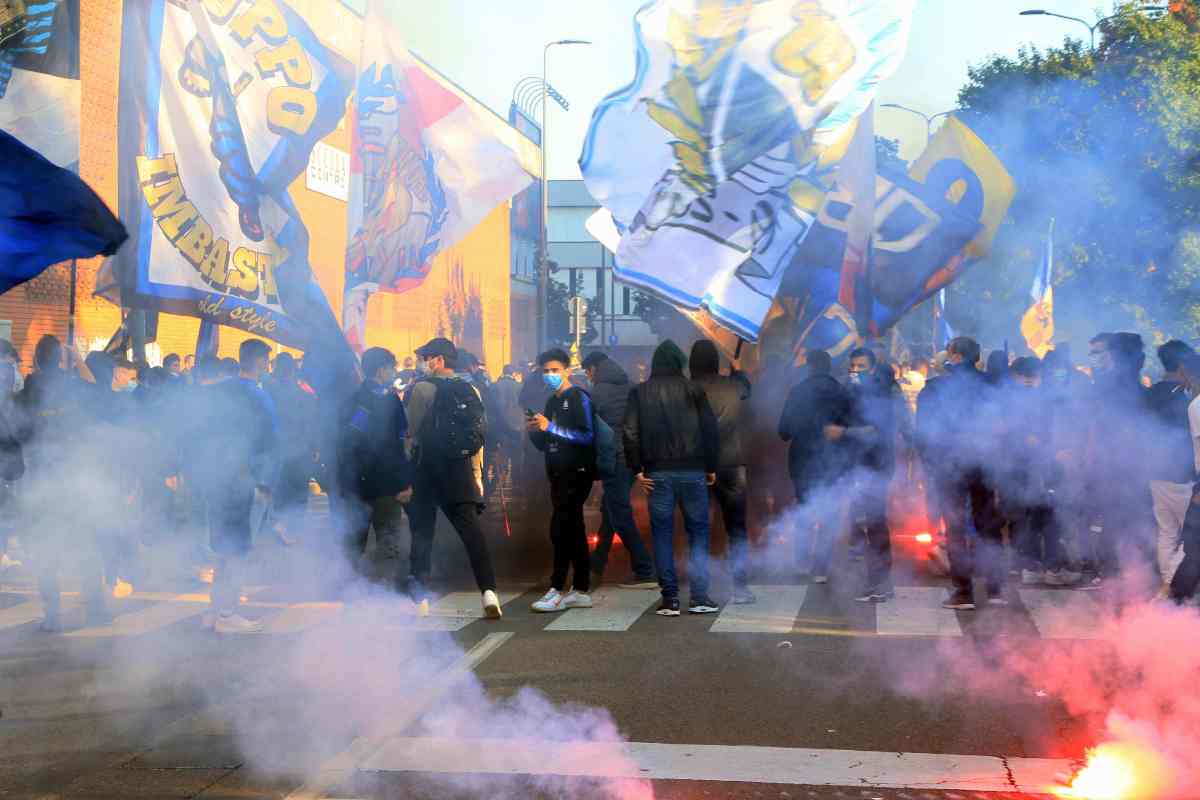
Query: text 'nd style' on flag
[
  {"x": 715, "y": 159},
  {"x": 1037, "y": 324},
  {"x": 427, "y": 165}
]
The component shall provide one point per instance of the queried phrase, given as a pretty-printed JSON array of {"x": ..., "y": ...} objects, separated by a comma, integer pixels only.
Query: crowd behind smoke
[{"x": 1079, "y": 479}]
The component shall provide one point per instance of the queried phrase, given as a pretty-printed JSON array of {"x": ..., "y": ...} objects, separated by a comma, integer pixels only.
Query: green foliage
[{"x": 1108, "y": 144}]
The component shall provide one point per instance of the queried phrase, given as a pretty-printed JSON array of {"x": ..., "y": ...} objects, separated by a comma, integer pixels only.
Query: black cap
[
  {"x": 593, "y": 359},
  {"x": 438, "y": 347}
]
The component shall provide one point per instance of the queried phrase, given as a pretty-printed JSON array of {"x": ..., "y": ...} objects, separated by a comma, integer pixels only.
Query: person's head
[
  {"x": 591, "y": 363},
  {"x": 1128, "y": 354},
  {"x": 555, "y": 365},
  {"x": 997, "y": 363},
  {"x": 1189, "y": 370},
  {"x": 48, "y": 354},
  {"x": 862, "y": 364},
  {"x": 8, "y": 353},
  {"x": 102, "y": 367},
  {"x": 438, "y": 356},
  {"x": 408, "y": 362},
  {"x": 509, "y": 371},
  {"x": 229, "y": 368},
  {"x": 1056, "y": 366},
  {"x": 1027, "y": 371},
  {"x": 705, "y": 360},
  {"x": 189, "y": 363},
  {"x": 1100, "y": 355},
  {"x": 254, "y": 356},
  {"x": 173, "y": 363},
  {"x": 668, "y": 360},
  {"x": 208, "y": 369},
  {"x": 819, "y": 362},
  {"x": 379, "y": 365},
  {"x": 962, "y": 350},
  {"x": 1171, "y": 356},
  {"x": 285, "y": 367}
]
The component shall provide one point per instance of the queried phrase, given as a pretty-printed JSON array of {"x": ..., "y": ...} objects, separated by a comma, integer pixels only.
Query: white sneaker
[
  {"x": 491, "y": 605},
  {"x": 575, "y": 599},
  {"x": 235, "y": 624},
  {"x": 820, "y": 579},
  {"x": 1063, "y": 577},
  {"x": 551, "y": 601},
  {"x": 209, "y": 620},
  {"x": 1032, "y": 577},
  {"x": 8, "y": 563}
]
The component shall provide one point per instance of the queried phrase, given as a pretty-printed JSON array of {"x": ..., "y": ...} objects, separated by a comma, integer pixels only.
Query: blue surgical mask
[
  {"x": 553, "y": 381},
  {"x": 856, "y": 378}
]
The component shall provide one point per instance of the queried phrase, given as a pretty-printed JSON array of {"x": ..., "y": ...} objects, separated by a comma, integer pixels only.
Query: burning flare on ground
[{"x": 1119, "y": 771}]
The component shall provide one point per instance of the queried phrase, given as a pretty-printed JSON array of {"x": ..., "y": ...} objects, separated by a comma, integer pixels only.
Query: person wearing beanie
[{"x": 672, "y": 446}]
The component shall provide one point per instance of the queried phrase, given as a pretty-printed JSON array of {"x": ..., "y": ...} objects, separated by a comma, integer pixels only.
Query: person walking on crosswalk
[{"x": 672, "y": 446}]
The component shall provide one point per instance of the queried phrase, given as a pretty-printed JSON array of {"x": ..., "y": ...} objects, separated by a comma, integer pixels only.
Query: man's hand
[
  {"x": 834, "y": 432},
  {"x": 405, "y": 496},
  {"x": 711, "y": 479},
  {"x": 172, "y": 483},
  {"x": 643, "y": 483},
  {"x": 537, "y": 422}
]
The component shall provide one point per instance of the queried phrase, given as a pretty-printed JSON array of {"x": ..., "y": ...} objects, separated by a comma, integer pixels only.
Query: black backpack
[{"x": 457, "y": 423}]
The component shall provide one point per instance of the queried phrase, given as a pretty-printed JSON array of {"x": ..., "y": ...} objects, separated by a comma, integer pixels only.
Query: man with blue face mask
[{"x": 566, "y": 432}]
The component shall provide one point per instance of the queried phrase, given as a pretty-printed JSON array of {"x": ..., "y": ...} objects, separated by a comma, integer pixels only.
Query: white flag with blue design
[{"x": 715, "y": 160}]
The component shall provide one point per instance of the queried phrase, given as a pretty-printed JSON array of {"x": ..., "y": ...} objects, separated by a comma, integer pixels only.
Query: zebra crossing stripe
[
  {"x": 917, "y": 611},
  {"x": 613, "y": 610},
  {"x": 774, "y": 612},
  {"x": 144, "y": 620},
  {"x": 725, "y": 763},
  {"x": 1062, "y": 613},
  {"x": 457, "y": 610},
  {"x": 22, "y": 613}
]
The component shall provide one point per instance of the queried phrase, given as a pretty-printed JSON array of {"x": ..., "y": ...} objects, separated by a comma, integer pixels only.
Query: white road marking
[
  {"x": 148, "y": 619},
  {"x": 338, "y": 768},
  {"x": 300, "y": 617},
  {"x": 775, "y": 611},
  {"x": 457, "y": 610},
  {"x": 22, "y": 613},
  {"x": 1062, "y": 613},
  {"x": 917, "y": 611},
  {"x": 614, "y": 610},
  {"x": 735, "y": 764}
]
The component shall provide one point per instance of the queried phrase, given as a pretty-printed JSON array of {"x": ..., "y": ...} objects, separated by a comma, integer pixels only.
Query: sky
[{"x": 487, "y": 47}]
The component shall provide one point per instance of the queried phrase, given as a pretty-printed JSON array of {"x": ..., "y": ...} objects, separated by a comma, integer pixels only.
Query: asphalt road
[{"x": 806, "y": 695}]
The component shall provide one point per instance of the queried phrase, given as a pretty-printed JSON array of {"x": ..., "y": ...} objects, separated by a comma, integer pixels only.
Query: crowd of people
[{"x": 1064, "y": 476}]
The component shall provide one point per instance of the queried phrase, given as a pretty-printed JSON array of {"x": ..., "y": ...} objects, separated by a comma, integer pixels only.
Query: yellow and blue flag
[{"x": 1037, "y": 325}]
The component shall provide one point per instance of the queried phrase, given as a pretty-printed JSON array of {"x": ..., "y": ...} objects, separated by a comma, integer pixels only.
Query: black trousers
[
  {"x": 730, "y": 494},
  {"x": 428, "y": 498},
  {"x": 970, "y": 493},
  {"x": 1187, "y": 577},
  {"x": 568, "y": 533},
  {"x": 384, "y": 515},
  {"x": 1038, "y": 536},
  {"x": 868, "y": 513}
]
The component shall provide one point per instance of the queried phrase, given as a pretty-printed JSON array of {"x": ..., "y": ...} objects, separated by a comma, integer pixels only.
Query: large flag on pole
[
  {"x": 714, "y": 161},
  {"x": 1037, "y": 325},
  {"x": 426, "y": 166}
]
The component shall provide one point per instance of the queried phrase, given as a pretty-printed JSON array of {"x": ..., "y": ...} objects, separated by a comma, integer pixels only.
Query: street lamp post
[
  {"x": 929, "y": 120},
  {"x": 543, "y": 265},
  {"x": 1092, "y": 28}
]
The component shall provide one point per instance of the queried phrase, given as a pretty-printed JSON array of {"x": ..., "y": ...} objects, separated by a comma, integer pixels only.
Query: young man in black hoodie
[
  {"x": 566, "y": 432},
  {"x": 727, "y": 395},
  {"x": 373, "y": 456},
  {"x": 816, "y": 407},
  {"x": 672, "y": 445},
  {"x": 610, "y": 391}
]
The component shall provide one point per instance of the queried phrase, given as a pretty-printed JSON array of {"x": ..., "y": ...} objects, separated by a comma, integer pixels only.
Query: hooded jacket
[
  {"x": 815, "y": 402},
  {"x": 610, "y": 395},
  {"x": 727, "y": 394},
  {"x": 669, "y": 424},
  {"x": 373, "y": 457}
]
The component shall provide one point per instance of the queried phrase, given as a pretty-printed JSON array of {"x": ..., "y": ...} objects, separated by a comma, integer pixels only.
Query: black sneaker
[
  {"x": 703, "y": 605},
  {"x": 669, "y": 607},
  {"x": 959, "y": 601}
]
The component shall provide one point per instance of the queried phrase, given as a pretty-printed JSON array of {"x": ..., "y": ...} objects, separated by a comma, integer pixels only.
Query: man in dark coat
[
  {"x": 610, "y": 393},
  {"x": 728, "y": 396},
  {"x": 816, "y": 407}
]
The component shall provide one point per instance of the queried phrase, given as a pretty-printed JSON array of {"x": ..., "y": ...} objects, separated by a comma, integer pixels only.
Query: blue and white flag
[{"x": 714, "y": 161}]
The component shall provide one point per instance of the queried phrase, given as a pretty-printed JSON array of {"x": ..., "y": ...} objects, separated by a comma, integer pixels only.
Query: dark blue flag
[{"x": 47, "y": 215}]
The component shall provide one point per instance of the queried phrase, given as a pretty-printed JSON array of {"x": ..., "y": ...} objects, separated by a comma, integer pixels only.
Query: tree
[{"x": 1108, "y": 144}]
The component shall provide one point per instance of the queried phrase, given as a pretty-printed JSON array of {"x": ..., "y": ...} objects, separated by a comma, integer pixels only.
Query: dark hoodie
[
  {"x": 727, "y": 395},
  {"x": 669, "y": 424},
  {"x": 610, "y": 393}
]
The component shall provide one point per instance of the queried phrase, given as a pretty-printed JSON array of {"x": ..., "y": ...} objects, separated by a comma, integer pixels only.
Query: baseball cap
[{"x": 438, "y": 347}]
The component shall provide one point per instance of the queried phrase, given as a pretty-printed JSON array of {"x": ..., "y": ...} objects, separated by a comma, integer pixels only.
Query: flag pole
[{"x": 71, "y": 305}]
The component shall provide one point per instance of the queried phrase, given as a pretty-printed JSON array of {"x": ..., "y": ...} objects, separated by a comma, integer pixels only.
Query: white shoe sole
[
  {"x": 544, "y": 610},
  {"x": 663, "y": 613}
]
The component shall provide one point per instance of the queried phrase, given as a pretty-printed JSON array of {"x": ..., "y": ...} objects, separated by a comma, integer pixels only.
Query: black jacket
[
  {"x": 297, "y": 409},
  {"x": 372, "y": 454},
  {"x": 1173, "y": 459},
  {"x": 610, "y": 393},
  {"x": 669, "y": 425},
  {"x": 873, "y": 412},
  {"x": 569, "y": 443},
  {"x": 957, "y": 422},
  {"x": 727, "y": 394},
  {"x": 50, "y": 415},
  {"x": 815, "y": 402}
]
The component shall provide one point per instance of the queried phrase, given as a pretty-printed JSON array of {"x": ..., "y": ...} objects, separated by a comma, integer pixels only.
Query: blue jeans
[
  {"x": 689, "y": 491},
  {"x": 618, "y": 519}
]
